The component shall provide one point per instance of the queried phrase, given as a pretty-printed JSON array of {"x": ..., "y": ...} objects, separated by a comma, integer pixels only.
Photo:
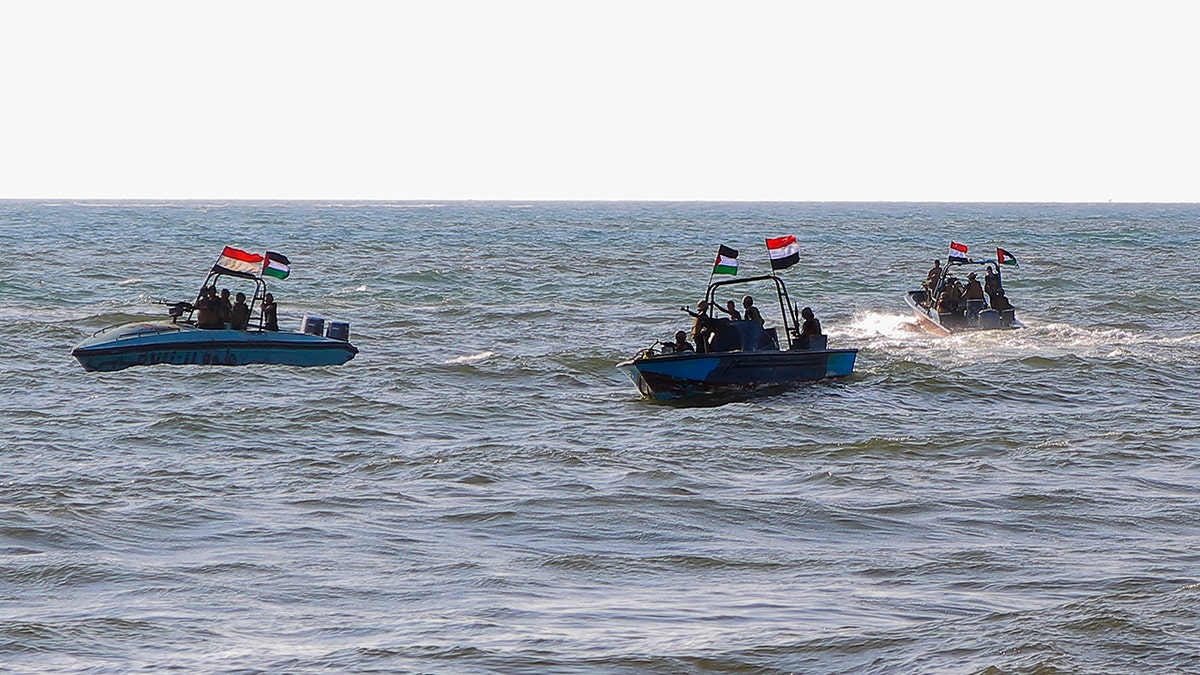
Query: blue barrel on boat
[
  {"x": 313, "y": 325},
  {"x": 338, "y": 330}
]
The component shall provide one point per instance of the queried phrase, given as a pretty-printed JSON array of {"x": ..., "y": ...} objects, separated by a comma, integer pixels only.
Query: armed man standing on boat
[
  {"x": 704, "y": 326},
  {"x": 932, "y": 279},
  {"x": 991, "y": 285},
  {"x": 731, "y": 309},
  {"x": 269, "y": 313}
]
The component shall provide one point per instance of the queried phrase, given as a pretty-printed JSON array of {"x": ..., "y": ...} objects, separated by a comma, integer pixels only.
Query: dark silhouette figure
[{"x": 270, "y": 313}]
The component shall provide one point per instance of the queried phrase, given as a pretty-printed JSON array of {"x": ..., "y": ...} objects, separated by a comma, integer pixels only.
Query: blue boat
[
  {"x": 180, "y": 341},
  {"x": 152, "y": 342},
  {"x": 742, "y": 355}
]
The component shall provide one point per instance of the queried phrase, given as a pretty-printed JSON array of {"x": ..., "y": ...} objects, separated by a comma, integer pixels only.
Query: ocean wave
[
  {"x": 481, "y": 490},
  {"x": 470, "y": 358}
]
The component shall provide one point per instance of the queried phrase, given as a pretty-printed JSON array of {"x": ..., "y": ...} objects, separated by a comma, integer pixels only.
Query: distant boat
[
  {"x": 742, "y": 355},
  {"x": 179, "y": 341},
  {"x": 962, "y": 315}
]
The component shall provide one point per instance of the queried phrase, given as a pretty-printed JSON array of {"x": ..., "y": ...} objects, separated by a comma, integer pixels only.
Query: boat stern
[{"x": 840, "y": 362}]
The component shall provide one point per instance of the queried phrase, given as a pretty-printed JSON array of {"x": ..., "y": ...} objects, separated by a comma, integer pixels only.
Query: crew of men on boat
[
  {"x": 706, "y": 327},
  {"x": 954, "y": 297},
  {"x": 215, "y": 311}
]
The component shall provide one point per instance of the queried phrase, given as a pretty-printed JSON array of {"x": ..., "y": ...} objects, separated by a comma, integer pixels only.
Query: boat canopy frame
[
  {"x": 787, "y": 309},
  {"x": 961, "y": 261}
]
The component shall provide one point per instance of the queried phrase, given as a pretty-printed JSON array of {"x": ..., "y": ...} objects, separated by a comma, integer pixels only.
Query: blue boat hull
[
  {"x": 686, "y": 375},
  {"x": 148, "y": 343}
]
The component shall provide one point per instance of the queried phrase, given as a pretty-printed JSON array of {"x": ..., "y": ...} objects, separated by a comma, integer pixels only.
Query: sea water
[{"x": 480, "y": 490}]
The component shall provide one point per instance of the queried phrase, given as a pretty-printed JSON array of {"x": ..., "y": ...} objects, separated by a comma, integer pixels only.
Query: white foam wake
[
  {"x": 473, "y": 358},
  {"x": 880, "y": 324}
]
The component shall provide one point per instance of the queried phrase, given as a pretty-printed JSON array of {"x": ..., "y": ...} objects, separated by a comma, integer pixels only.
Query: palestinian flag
[
  {"x": 726, "y": 261},
  {"x": 958, "y": 252},
  {"x": 1005, "y": 258},
  {"x": 276, "y": 265},
  {"x": 238, "y": 263},
  {"x": 784, "y": 252}
]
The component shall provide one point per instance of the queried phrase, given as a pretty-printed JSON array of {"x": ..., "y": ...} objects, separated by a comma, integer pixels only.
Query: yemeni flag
[
  {"x": 277, "y": 265},
  {"x": 784, "y": 252},
  {"x": 726, "y": 261},
  {"x": 238, "y": 263},
  {"x": 1005, "y": 258},
  {"x": 958, "y": 252}
]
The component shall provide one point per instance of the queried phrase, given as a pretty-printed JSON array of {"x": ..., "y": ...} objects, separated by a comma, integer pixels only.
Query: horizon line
[{"x": 507, "y": 200}]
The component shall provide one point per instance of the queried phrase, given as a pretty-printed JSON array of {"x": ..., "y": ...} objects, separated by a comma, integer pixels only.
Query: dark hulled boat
[
  {"x": 741, "y": 355},
  {"x": 181, "y": 341},
  {"x": 957, "y": 314}
]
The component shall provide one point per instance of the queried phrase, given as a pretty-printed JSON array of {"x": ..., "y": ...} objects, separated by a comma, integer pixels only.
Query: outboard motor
[
  {"x": 989, "y": 319},
  {"x": 974, "y": 307},
  {"x": 338, "y": 330}
]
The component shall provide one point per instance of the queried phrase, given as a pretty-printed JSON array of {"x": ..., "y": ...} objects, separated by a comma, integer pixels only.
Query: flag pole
[
  {"x": 766, "y": 242},
  {"x": 712, "y": 271}
]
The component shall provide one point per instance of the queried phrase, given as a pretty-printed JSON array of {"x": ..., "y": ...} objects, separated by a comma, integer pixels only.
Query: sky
[{"x": 601, "y": 100}]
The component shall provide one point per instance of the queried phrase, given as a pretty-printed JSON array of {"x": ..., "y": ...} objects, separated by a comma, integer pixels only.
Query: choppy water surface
[{"x": 481, "y": 491}]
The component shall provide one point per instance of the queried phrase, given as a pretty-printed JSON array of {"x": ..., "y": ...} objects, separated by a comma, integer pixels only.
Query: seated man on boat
[
  {"x": 950, "y": 298},
  {"x": 944, "y": 304},
  {"x": 224, "y": 305},
  {"x": 810, "y": 331},
  {"x": 973, "y": 294},
  {"x": 811, "y": 325},
  {"x": 239, "y": 314},
  {"x": 749, "y": 310},
  {"x": 974, "y": 290},
  {"x": 679, "y": 346},
  {"x": 1000, "y": 302}
]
